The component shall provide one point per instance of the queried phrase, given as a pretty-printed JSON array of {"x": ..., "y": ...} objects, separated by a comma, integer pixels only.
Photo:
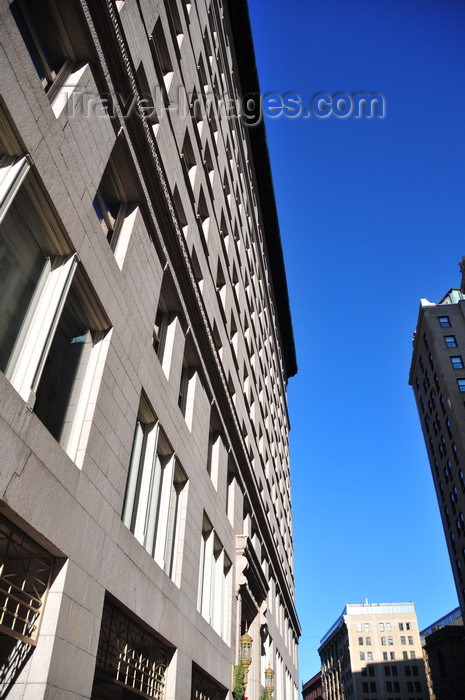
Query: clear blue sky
[{"x": 372, "y": 217}]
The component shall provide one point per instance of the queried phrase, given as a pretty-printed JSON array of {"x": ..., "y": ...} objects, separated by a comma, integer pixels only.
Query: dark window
[
  {"x": 43, "y": 33},
  {"x": 110, "y": 205}
]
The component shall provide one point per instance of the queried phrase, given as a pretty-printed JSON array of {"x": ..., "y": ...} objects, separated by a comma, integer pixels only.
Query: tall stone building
[
  {"x": 145, "y": 349},
  {"x": 437, "y": 375},
  {"x": 373, "y": 652}
]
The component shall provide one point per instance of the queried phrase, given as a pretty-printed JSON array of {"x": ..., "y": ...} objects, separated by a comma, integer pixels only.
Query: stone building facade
[{"x": 145, "y": 349}]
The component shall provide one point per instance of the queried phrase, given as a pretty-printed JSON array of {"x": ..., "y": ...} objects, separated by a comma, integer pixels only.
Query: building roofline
[
  {"x": 444, "y": 620},
  {"x": 245, "y": 57},
  {"x": 367, "y": 609}
]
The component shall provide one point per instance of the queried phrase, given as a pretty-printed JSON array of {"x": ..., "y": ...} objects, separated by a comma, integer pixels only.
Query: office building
[
  {"x": 437, "y": 375},
  {"x": 145, "y": 348},
  {"x": 373, "y": 652},
  {"x": 444, "y": 652}
]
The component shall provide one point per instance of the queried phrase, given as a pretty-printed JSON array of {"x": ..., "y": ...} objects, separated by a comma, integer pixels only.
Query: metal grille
[
  {"x": 131, "y": 655},
  {"x": 203, "y": 688},
  {"x": 25, "y": 572}
]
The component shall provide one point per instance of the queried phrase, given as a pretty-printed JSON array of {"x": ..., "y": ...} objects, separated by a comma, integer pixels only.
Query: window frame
[
  {"x": 152, "y": 502},
  {"x": 456, "y": 362},
  {"x": 51, "y": 79},
  {"x": 49, "y": 292}
]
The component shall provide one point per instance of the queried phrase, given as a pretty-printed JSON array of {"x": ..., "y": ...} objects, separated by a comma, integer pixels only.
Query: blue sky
[{"x": 372, "y": 217}]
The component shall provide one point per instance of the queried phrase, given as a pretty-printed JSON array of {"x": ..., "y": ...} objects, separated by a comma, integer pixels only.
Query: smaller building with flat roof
[{"x": 373, "y": 650}]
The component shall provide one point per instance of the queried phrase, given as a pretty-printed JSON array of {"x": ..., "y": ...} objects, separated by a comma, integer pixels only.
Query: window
[
  {"x": 45, "y": 38},
  {"x": 183, "y": 388},
  {"x": 360, "y": 641},
  {"x": 385, "y": 656},
  {"x": 410, "y": 641},
  {"x": 366, "y": 626},
  {"x": 51, "y": 324},
  {"x": 402, "y": 640},
  {"x": 444, "y": 321},
  {"x": 214, "y": 569},
  {"x": 129, "y": 656},
  {"x": 456, "y": 362},
  {"x": 153, "y": 491},
  {"x": 381, "y": 626},
  {"x": 362, "y": 656},
  {"x": 383, "y": 641},
  {"x": 370, "y": 656},
  {"x": 390, "y": 642},
  {"x": 401, "y": 626},
  {"x": 112, "y": 203},
  {"x": 25, "y": 575},
  {"x": 160, "y": 328},
  {"x": 450, "y": 341},
  {"x": 368, "y": 641},
  {"x": 392, "y": 655},
  {"x": 461, "y": 384}
]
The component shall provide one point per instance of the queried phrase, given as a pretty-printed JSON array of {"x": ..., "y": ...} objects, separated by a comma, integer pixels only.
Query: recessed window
[
  {"x": 45, "y": 38},
  {"x": 450, "y": 341},
  {"x": 456, "y": 362},
  {"x": 444, "y": 321},
  {"x": 111, "y": 204},
  {"x": 129, "y": 657},
  {"x": 214, "y": 569},
  {"x": 461, "y": 384},
  {"x": 25, "y": 577},
  {"x": 153, "y": 490},
  {"x": 51, "y": 324}
]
